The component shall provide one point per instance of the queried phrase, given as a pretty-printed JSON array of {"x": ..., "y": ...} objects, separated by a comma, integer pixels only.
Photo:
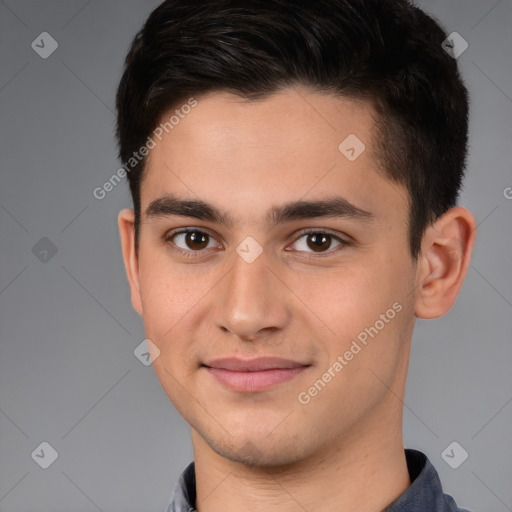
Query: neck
[{"x": 364, "y": 472}]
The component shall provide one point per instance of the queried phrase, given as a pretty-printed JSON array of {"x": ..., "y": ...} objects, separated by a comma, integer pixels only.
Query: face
[{"x": 300, "y": 253}]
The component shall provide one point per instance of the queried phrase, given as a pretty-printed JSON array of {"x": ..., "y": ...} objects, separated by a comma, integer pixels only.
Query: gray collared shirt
[{"x": 425, "y": 494}]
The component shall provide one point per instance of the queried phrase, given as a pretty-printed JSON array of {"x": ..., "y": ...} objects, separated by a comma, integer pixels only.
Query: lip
[
  {"x": 253, "y": 365},
  {"x": 254, "y": 375}
]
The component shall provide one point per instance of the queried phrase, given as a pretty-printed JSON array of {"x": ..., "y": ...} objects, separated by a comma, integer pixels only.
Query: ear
[
  {"x": 443, "y": 262},
  {"x": 126, "y": 222}
]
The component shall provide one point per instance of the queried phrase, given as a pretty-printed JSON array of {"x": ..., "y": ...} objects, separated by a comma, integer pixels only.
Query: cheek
[
  {"x": 166, "y": 297},
  {"x": 170, "y": 303},
  {"x": 361, "y": 311},
  {"x": 345, "y": 298},
  {"x": 174, "y": 302}
]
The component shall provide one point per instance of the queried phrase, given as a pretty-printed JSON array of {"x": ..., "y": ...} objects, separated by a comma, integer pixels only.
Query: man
[{"x": 294, "y": 168}]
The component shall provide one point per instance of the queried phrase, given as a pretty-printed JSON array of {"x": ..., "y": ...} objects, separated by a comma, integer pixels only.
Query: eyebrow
[{"x": 332, "y": 207}]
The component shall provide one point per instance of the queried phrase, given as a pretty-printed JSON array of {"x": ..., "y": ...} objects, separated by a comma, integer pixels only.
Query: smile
[
  {"x": 251, "y": 381},
  {"x": 256, "y": 374}
]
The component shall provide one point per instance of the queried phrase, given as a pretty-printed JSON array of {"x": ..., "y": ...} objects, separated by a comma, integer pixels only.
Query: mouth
[{"x": 255, "y": 374}]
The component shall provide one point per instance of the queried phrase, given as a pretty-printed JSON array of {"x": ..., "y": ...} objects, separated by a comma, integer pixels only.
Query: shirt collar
[{"x": 424, "y": 494}]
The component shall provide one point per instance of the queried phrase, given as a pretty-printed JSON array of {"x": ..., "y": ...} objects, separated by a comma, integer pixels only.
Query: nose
[{"x": 251, "y": 300}]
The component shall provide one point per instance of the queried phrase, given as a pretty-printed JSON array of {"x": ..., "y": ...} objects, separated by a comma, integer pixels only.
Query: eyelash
[{"x": 196, "y": 254}]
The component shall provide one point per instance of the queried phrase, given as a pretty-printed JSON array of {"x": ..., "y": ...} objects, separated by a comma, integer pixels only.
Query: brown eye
[
  {"x": 192, "y": 240},
  {"x": 319, "y": 241},
  {"x": 196, "y": 240}
]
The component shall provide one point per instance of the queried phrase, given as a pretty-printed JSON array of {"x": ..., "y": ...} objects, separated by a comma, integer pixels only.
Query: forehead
[
  {"x": 247, "y": 154},
  {"x": 288, "y": 117}
]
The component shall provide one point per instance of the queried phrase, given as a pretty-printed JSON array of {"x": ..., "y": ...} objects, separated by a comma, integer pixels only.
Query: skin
[{"x": 266, "y": 450}]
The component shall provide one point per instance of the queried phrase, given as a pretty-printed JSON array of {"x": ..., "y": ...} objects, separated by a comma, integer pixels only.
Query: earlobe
[
  {"x": 443, "y": 263},
  {"x": 126, "y": 223}
]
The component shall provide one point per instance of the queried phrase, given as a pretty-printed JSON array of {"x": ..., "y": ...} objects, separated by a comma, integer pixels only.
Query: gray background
[{"x": 68, "y": 375}]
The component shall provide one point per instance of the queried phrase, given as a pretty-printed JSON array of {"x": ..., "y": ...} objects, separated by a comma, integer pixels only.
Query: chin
[{"x": 257, "y": 453}]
